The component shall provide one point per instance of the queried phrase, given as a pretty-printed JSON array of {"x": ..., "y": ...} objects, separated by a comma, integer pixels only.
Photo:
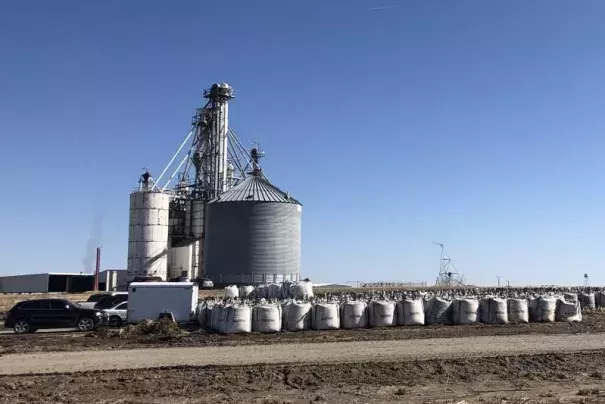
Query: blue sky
[{"x": 478, "y": 124}]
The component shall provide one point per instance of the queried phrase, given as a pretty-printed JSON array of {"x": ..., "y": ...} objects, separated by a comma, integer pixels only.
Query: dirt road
[
  {"x": 300, "y": 353},
  {"x": 575, "y": 378}
]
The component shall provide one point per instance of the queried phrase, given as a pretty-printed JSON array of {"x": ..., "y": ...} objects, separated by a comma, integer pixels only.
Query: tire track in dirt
[{"x": 66, "y": 362}]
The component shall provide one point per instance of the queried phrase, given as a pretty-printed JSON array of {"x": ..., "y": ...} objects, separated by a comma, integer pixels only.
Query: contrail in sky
[{"x": 384, "y": 7}]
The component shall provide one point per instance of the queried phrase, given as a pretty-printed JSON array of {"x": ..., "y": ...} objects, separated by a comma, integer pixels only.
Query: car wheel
[
  {"x": 86, "y": 324},
  {"x": 115, "y": 321},
  {"x": 22, "y": 326}
]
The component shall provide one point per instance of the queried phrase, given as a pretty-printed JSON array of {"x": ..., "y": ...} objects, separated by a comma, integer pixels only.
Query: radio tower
[{"x": 448, "y": 274}]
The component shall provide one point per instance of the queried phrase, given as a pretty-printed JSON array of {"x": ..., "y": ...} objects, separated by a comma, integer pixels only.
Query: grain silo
[
  {"x": 148, "y": 231},
  {"x": 252, "y": 234}
]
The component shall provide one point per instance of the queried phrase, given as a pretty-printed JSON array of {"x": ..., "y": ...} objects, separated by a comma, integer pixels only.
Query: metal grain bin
[{"x": 252, "y": 235}]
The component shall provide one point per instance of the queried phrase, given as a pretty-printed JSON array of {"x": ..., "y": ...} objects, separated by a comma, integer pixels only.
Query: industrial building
[
  {"x": 54, "y": 282},
  {"x": 222, "y": 219}
]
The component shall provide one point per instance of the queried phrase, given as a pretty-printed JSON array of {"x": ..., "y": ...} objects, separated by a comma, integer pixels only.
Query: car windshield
[
  {"x": 110, "y": 301},
  {"x": 96, "y": 298}
]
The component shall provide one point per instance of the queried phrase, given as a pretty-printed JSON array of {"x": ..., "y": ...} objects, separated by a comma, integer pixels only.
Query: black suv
[{"x": 30, "y": 315}]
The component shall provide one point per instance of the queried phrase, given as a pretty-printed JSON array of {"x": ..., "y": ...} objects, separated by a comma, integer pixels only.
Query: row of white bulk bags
[
  {"x": 568, "y": 311},
  {"x": 353, "y": 314},
  {"x": 296, "y": 316},
  {"x": 382, "y": 314},
  {"x": 325, "y": 316},
  {"x": 267, "y": 318},
  {"x": 465, "y": 311},
  {"x": 438, "y": 311},
  {"x": 410, "y": 312},
  {"x": 542, "y": 309},
  {"x": 231, "y": 291},
  {"x": 518, "y": 311},
  {"x": 493, "y": 310},
  {"x": 246, "y": 291}
]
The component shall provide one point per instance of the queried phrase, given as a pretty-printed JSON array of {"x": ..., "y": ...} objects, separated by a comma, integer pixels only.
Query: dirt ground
[
  {"x": 545, "y": 379},
  {"x": 74, "y": 341},
  {"x": 333, "y": 352}
]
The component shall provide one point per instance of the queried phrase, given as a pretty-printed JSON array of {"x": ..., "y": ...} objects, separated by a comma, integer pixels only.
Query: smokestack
[{"x": 97, "y": 269}]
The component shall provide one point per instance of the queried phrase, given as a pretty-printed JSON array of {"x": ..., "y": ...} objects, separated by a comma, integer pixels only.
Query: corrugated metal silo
[
  {"x": 148, "y": 234},
  {"x": 252, "y": 235}
]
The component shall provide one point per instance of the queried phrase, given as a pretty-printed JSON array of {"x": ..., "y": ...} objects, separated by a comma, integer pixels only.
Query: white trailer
[{"x": 147, "y": 300}]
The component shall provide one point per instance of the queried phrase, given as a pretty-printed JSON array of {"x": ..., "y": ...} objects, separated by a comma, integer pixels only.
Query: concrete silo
[
  {"x": 148, "y": 232},
  {"x": 253, "y": 234}
]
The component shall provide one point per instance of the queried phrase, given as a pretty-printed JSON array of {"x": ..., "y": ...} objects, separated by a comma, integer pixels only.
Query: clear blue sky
[{"x": 475, "y": 123}]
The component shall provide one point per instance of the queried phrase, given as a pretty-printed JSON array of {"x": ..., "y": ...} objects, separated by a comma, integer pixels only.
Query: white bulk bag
[
  {"x": 547, "y": 307},
  {"x": 353, "y": 314},
  {"x": 465, "y": 311},
  {"x": 246, "y": 291},
  {"x": 266, "y": 318},
  {"x": 260, "y": 291},
  {"x": 382, "y": 314},
  {"x": 438, "y": 311},
  {"x": 410, "y": 312},
  {"x": 587, "y": 301},
  {"x": 600, "y": 299},
  {"x": 273, "y": 291},
  {"x": 231, "y": 292},
  {"x": 518, "y": 311},
  {"x": 235, "y": 320},
  {"x": 325, "y": 316},
  {"x": 301, "y": 290},
  {"x": 285, "y": 290},
  {"x": 296, "y": 316},
  {"x": 214, "y": 316},
  {"x": 568, "y": 311},
  {"x": 494, "y": 310},
  {"x": 200, "y": 314}
]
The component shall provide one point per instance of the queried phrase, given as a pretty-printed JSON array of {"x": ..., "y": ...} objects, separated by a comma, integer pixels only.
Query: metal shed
[{"x": 47, "y": 282}]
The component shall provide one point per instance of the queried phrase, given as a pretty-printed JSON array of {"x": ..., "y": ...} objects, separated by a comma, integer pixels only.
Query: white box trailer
[{"x": 147, "y": 300}]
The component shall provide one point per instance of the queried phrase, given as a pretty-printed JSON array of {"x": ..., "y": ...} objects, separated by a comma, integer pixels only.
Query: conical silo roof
[{"x": 255, "y": 189}]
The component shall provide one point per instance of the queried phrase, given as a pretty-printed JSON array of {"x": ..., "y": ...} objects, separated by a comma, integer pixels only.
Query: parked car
[
  {"x": 97, "y": 297},
  {"x": 180, "y": 279},
  {"x": 204, "y": 283},
  {"x": 31, "y": 315},
  {"x": 117, "y": 315},
  {"x": 111, "y": 301}
]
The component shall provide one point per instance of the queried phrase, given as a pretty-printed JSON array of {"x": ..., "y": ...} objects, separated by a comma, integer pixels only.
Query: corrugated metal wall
[
  {"x": 37, "y": 283},
  {"x": 252, "y": 242}
]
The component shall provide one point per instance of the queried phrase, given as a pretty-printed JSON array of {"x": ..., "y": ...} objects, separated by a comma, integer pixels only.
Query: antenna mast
[{"x": 448, "y": 274}]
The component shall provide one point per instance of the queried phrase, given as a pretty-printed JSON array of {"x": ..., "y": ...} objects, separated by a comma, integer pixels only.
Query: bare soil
[
  {"x": 334, "y": 352},
  {"x": 545, "y": 379},
  {"x": 73, "y": 341}
]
